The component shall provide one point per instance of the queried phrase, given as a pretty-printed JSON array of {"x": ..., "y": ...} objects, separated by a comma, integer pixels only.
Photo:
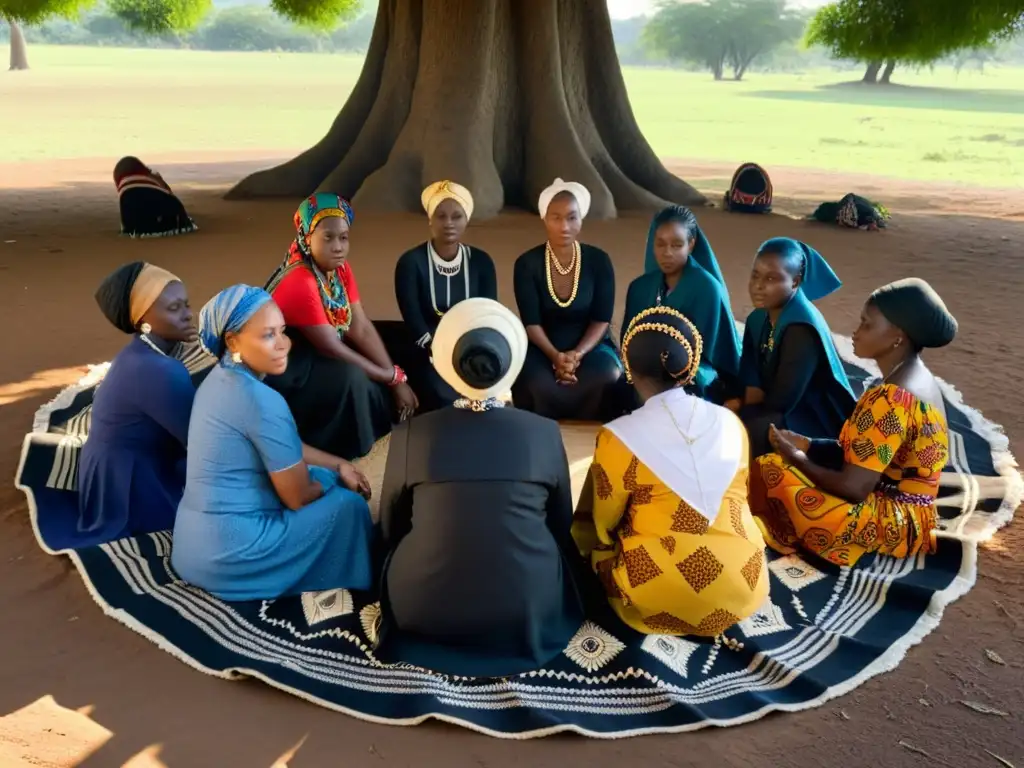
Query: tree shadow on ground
[{"x": 906, "y": 97}]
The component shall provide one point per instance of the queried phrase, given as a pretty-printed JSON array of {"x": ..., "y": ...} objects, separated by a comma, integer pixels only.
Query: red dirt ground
[{"x": 58, "y": 238}]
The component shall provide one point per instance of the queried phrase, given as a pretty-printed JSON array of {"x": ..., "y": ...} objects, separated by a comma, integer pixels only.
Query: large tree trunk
[
  {"x": 19, "y": 53},
  {"x": 871, "y": 76},
  {"x": 499, "y": 96},
  {"x": 890, "y": 65}
]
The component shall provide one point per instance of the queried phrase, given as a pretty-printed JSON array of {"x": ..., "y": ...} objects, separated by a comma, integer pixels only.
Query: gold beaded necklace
[{"x": 576, "y": 262}]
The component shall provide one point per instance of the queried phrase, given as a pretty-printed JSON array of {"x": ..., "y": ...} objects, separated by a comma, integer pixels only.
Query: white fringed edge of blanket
[{"x": 1002, "y": 460}]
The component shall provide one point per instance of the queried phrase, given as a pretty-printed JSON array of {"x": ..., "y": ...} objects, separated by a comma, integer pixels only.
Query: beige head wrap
[
  {"x": 558, "y": 186},
  {"x": 440, "y": 191},
  {"x": 147, "y": 289},
  {"x": 470, "y": 315}
]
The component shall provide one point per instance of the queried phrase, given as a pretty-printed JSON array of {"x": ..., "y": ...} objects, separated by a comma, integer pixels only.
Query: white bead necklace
[{"x": 447, "y": 270}]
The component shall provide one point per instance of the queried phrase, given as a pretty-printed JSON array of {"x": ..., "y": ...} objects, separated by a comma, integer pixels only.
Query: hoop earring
[
  {"x": 897, "y": 344},
  {"x": 236, "y": 358},
  {"x": 146, "y": 328}
]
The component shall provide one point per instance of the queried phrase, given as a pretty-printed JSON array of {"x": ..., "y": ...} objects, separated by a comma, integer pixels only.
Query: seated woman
[
  {"x": 431, "y": 279},
  {"x": 476, "y": 511},
  {"x": 793, "y": 375},
  {"x": 681, "y": 272},
  {"x": 148, "y": 207},
  {"x": 339, "y": 373},
  {"x": 664, "y": 518},
  {"x": 132, "y": 466},
  {"x": 263, "y": 516},
  {"x": 874, "y": 489},
  {"x": 565, "y": 291}
]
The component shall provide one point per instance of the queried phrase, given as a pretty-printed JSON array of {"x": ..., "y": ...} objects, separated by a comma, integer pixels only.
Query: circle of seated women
[{"x": 666, "y": 535}]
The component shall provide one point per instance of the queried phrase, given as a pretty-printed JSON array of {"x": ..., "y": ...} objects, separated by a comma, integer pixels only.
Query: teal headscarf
[
  {"x": 702, "y": 253},
  {"x": 818, "y": 279},
  {"x": 701, "y": 296}
]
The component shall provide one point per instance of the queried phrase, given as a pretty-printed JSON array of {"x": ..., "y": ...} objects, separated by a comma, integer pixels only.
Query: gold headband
[
  {"x": 326, "y": 213},
  {"x": 147, "y": 289},
  {"x": 684, "y": 376}
]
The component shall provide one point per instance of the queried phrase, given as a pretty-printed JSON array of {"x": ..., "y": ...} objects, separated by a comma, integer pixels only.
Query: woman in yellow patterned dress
[
  {"x": 874, "y": 489},
  {"x": 664, "y": 516}
]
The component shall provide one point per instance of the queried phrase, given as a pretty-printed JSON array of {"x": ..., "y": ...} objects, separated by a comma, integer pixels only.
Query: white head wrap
[
  {"x": 440, "y": 191},
  {"x": 470, "y": 315},
  {"x": 574, "y": 188}
]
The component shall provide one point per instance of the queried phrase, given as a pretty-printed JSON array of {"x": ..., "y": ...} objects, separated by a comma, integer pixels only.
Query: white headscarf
[
  {"x": 440, "y": 191},
  {"x": 469, "y": 315},
  {"x": 574, "y": 188}
]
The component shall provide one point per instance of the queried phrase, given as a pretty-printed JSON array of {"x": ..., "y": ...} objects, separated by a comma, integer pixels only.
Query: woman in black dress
[
  {"x": 565, "y": 291},
  {"x": 482, "y": 577},
  {"x": 431, "y": 279},
  {"x": 148, "y": 206}
]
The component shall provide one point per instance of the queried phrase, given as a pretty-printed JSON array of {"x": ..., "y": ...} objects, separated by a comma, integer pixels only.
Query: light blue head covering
[
  {"x": 701, "y": 253},
  {"x": 228, "y": 311},
  {"x": 818, "y": 278}
]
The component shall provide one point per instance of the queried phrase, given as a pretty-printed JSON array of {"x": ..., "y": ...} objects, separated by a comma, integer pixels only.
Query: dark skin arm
[
  {"x": 351, "y": 477},
  {"x": 852, "y": 483},
  {"x": 327, "y": 342},
  {"x": 295, "y": 487}
]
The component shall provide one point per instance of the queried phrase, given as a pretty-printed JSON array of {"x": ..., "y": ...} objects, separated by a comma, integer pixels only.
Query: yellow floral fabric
[
  {"x": 664, "y": 567},
  {"x": 891, "y": 432}
]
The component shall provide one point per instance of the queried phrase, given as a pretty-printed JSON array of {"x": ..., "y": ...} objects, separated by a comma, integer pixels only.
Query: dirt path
[{"x": 58, "y": 226}]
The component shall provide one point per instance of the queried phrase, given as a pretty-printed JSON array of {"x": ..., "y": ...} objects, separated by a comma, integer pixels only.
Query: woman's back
[{"x": 478, "y": 526}]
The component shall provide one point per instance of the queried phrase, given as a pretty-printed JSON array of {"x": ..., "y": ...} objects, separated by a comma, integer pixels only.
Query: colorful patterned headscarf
[{"x": 314, "y": 209}]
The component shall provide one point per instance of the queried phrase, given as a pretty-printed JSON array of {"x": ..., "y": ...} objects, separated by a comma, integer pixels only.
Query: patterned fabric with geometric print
[
  {"x": 890, "y": 432},
  {"x": 822, "y": 629}
]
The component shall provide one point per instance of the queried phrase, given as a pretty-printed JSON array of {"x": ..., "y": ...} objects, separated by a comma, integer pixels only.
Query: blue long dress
[
  {"x": 132, "y": 467},
  {"x": 233, "y": 536}
]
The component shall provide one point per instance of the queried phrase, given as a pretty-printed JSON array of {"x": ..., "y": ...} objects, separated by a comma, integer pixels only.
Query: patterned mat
[{"x": 824, "y": 630}]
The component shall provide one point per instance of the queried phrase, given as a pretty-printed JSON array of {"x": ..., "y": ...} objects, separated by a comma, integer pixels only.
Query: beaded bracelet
[{"x": 398, "y": 378}]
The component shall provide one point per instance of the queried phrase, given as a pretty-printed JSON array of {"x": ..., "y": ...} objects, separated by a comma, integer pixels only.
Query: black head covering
[
  {"x": 915, "y": 308},
  {"x": 115, "y": 293},
  {"x": 662, "y": 344},
  {"x": 482, "y": 357}
]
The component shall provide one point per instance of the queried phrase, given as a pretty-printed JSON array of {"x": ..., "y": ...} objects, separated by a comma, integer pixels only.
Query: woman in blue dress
[
  {"x": 565, "y": 291},
  {"x": 263, "y": 516},
  {"x": 681, "y": 272},
  {"x": 131, "y": 471},
  {"x": 792, "y": 374}
]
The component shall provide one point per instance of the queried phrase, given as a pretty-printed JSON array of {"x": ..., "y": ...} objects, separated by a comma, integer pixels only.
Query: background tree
[
  {"x": 716, "y": 34},
  {"x": 501, "y": 96},
  {"x": 883, "y": 33},
  {"x": 18, "y": 12}
]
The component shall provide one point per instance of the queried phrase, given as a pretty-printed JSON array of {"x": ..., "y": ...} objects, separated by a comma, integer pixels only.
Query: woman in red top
[{"x": 341, "y": 384}]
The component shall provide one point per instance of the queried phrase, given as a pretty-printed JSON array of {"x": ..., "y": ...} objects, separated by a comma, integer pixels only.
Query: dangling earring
[
  {"x": 146, "y": 328},
  {"x": 236, "y": 358}
]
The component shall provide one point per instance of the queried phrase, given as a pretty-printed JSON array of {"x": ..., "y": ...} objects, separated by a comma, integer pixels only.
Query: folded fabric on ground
[{"x": 823, "y": 631}]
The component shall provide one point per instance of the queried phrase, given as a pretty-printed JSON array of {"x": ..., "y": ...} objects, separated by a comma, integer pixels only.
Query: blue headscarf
[
  {"x": 228, "y": 311},
  {"x": 818, "y": 278},
  {"x": 701, "y": 253}
]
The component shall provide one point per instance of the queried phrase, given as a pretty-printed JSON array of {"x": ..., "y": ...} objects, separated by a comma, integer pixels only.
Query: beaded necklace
[
  {"x": 575, "y": 262},
  {"x": 447, "y": 269},
  {"x": 149, "y": 343},
  {"x": 479, "y": 406}
]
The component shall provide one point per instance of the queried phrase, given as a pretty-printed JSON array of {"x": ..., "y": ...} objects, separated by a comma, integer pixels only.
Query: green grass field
[{"x": 87, "y": 102}]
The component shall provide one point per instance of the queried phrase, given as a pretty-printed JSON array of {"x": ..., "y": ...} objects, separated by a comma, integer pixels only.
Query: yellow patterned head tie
[{"x": 640, "y": 324}]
